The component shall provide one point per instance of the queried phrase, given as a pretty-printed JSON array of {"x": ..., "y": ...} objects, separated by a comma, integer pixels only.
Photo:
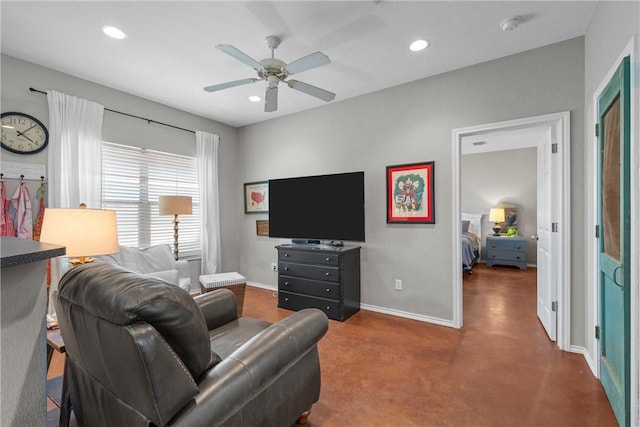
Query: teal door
[{"x": 614, "y": 222}]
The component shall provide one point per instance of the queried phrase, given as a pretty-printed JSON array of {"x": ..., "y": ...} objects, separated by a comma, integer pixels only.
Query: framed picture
[
  {"x": 256, "y": 197},
  {"x": 410, "y": 197}
]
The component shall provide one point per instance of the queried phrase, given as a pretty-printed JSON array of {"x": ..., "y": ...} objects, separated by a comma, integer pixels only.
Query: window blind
[{"x": 132, "y": 180}]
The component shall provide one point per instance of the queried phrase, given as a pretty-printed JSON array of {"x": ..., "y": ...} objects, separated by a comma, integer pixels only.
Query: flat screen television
[{"x": 322, "y": 207}]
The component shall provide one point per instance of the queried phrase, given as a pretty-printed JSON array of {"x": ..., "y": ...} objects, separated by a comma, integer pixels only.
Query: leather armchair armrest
[
  {"x": 254, "y": 366},
  {"x": 218, "y": 307}
]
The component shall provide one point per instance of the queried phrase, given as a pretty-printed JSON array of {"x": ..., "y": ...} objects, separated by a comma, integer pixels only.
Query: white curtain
[
  {"x": 74, "y": 163},
  {"x": 75, "y": 160},
  {"x": 207, "y": 153}
]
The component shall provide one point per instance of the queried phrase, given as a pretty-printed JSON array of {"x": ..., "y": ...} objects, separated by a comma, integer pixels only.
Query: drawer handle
[
  {"x": 518, "y": 246},
  {"x": 517, "y": 256},
  {"x": 493, "y": 245},
  {"x": 328, "y": 290},
  {"x": 286, "y": 268},
  {"x": 286, "y": 255},
  {"x": 327, "y": 274},
  {"x": 328, "y": 308},
  {"x": 286, "y": 283},
  {"x": 493, "y": 255},
  {"x": 327, "y": 259},
  {"x": 286, "y": 298}
]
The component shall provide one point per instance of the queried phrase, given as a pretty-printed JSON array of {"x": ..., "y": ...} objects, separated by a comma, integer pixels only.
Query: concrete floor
[{"x": 499, "y": 370}]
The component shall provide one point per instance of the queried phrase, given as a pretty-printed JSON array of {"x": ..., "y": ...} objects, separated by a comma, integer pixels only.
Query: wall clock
[{"x": 22, "y": 133}]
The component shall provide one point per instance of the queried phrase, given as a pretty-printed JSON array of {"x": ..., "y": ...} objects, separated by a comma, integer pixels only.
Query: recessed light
[
  {"x": 254, "y": 98},
  {"x": 114, "y": 32},
  {"x": 418, "y": 45}
]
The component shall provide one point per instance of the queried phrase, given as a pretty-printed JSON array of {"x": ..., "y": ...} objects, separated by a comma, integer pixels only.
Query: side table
[
  {"x": 56, "y": 343},
  {"x": 232, "y": 281}
]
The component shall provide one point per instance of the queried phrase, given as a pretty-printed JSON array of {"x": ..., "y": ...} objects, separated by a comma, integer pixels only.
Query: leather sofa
[{"x": 142, "y": 352}]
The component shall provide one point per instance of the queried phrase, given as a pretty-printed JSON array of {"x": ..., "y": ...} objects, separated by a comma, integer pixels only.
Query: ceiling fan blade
[
  {"x": 229, "y": 84},
  {"x": 271, "y": 99},
  {"x": 316, "y": 59},
  {"x": 240, "y": 56},
  {"x": 325, "y": 95}
]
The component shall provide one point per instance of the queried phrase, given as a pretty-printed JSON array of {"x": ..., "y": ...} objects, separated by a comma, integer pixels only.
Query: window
[{"x": 132, "y": 180}]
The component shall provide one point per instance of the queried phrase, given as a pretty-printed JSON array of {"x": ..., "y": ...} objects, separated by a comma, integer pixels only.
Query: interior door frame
[
  {"x": 592, "y": 242},
  {"x": 560, "y": 124}
]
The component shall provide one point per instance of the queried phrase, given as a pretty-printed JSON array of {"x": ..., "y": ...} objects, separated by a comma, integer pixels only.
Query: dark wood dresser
[{"x": 319, "y": 276}]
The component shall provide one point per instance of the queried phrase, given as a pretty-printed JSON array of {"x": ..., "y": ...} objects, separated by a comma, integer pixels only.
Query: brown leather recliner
[{"x": 143, "y": 352}]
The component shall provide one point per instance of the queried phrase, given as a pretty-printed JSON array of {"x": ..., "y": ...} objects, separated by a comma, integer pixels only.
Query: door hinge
[
  {"x": 597, "y": 231},
  {"x": 597, "y": 129},
  {"x": 597, "y": 332},
  {"x": 554, "y": 148},
  {"x": 554, "y": 227},
  {"x": 554, "y": 306}
]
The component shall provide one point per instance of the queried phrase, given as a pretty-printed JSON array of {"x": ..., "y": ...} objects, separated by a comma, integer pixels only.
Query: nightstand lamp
[
  {"x": 496, "y": 215},
  {"x": 84, "y": 232}
]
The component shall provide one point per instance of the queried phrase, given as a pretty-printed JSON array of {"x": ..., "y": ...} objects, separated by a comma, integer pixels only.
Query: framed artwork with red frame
[{"x": 410, "y": 196}]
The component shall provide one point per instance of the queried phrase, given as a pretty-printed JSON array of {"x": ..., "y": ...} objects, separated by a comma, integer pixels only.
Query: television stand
[{"x": 319, "y": 276}]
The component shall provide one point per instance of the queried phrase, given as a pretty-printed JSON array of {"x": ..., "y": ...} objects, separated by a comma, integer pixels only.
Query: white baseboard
[
  {"x": 585, "y": 353},
  {"x": 407, "y": 315},
  {"x": 391, "y": 312},
  {"x": 262, "y": 286}
]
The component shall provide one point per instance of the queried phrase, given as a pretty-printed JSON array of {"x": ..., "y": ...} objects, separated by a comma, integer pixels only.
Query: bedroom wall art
[{"x": 410, "y": 193}]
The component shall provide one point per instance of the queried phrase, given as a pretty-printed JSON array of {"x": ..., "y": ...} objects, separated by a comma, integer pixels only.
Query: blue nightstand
[{"x": 507, "y": 251}]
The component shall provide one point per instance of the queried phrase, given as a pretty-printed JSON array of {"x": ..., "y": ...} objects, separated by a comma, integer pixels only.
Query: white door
[{"x": 546, "y": 287}]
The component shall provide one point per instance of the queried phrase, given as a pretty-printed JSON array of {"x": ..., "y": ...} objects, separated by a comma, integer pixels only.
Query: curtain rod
[{"x": 130, "y": 115}]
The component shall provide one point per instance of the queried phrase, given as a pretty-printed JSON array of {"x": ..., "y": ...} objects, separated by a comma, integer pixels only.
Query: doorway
[{"x": 554, "y": 280}]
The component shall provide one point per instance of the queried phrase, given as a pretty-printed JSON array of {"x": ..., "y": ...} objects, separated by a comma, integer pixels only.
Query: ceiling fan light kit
[{"x": 273, "y": 71}]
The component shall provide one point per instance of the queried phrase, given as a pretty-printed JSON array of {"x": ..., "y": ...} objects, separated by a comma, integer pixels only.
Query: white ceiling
[{"x": 170, "y": 54}]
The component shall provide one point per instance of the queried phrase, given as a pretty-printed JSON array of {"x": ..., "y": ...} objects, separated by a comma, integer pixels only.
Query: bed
[{"x": 471, "y": 240}]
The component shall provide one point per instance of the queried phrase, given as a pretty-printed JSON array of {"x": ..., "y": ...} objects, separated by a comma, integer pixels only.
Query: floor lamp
[{"x": 175, "y": 205}]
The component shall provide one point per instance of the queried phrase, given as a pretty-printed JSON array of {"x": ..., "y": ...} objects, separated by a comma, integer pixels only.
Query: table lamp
[
  {"x": 496, "y": 215},
  {"x": 175, "y": 205},
  {"x": 84, "y": 232}
]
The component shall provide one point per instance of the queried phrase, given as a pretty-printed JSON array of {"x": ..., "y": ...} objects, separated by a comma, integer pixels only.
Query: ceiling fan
[{"x": 274, "y": 71}]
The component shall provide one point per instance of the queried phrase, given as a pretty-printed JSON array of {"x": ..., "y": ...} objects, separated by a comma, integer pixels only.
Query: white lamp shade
[
  {"x": 84, "y": 232},
  {"x": 174, "y": 205},
  {"x": 496, "y": 215}
]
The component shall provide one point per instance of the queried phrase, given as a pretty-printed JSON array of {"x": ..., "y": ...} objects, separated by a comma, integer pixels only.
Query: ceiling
[{"x": 170, "y": 55}]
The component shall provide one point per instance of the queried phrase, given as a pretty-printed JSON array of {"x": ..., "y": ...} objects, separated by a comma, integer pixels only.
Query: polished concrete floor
[{"x": 499, "y": 370}]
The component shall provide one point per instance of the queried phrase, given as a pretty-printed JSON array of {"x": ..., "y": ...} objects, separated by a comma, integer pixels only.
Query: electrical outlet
[
  {"x": 398, "y": 285},
  {"x": 274, "y": 267}
]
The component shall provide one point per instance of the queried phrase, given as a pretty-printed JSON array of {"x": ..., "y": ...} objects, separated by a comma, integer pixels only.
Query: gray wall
[
  {"x": 17, "y": 76},
  {"x": 612, "y": 26},
  {"x": 412, "y": 123},
  {"x": 508, "y": 176}
]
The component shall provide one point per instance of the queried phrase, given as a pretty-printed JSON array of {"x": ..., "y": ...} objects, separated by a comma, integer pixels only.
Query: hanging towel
[
  {"x": 37, "y": 228},
  {"x": 5, "y": 220},
  {"x": 20, "y": 211},
  {"x": 39, "y": 214}
]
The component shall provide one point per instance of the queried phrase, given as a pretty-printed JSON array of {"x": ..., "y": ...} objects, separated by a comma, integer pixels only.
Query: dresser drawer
[
  {"x": 331, "y": 274},
  {"x": 506, "y": 255},
  {"x": 292, "y": 301},
  {"x": 309, "y": 287},
  {"x": 506, "y": 244},
  {"x": 309, "y": 258}
]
